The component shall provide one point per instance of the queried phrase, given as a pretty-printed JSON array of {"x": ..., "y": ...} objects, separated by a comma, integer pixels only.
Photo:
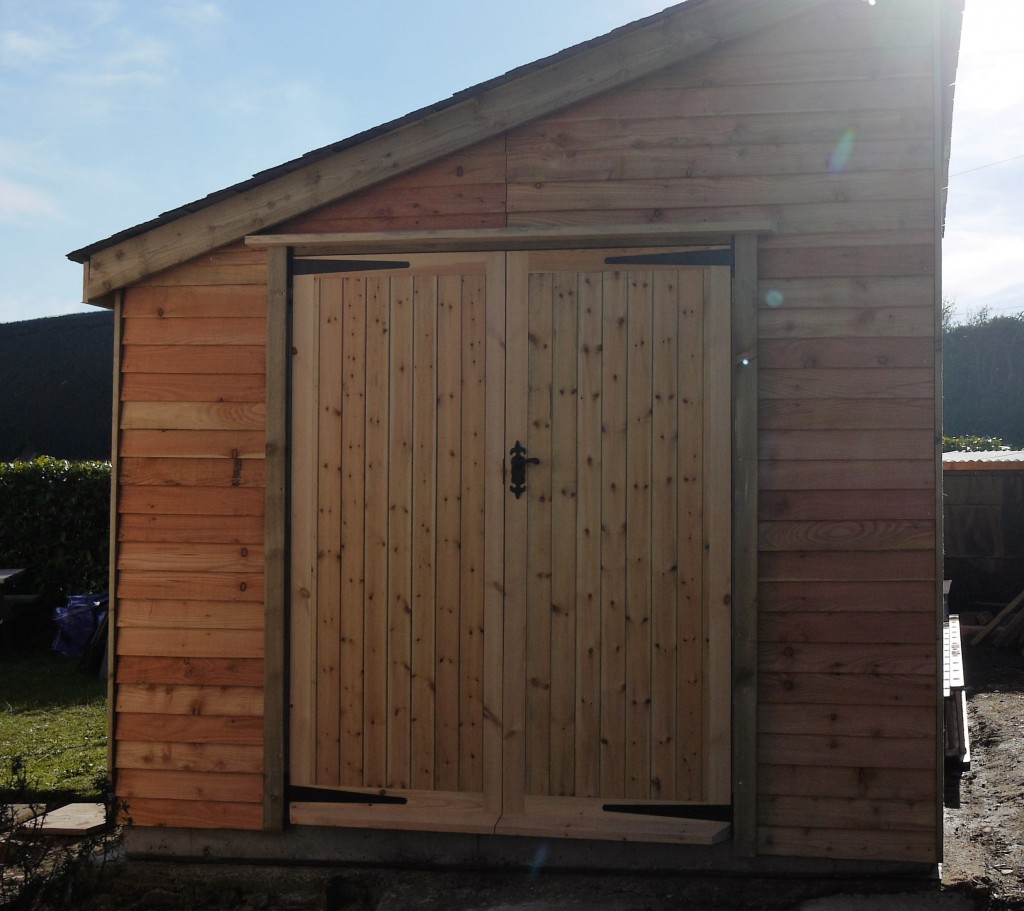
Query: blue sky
[{"x": 116, "y": 110}]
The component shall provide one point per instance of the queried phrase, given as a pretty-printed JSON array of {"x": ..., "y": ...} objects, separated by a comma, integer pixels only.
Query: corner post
[
  {"x": 275, "y": 533},
  {"x": 744, "y": 554}
]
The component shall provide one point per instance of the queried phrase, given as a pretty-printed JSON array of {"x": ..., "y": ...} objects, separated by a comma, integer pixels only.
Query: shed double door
[{"x": 510, "y": 544}]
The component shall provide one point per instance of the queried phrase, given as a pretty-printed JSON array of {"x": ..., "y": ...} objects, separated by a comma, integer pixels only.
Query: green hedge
[
  {"x": 55, "y": 522},
  {"x": 972, "y": 444}
]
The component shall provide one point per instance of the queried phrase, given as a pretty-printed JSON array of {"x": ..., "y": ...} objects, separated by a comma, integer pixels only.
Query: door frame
[{"x": 741, "y": 236}]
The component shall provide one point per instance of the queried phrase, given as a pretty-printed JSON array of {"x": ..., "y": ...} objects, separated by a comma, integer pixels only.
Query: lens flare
[
  {"x": 840, "y": 156},
  {"x": 773, "y": 298},
  {"x": 539, "y": 859}
]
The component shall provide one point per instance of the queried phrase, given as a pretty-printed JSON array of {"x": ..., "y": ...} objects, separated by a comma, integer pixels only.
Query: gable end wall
[{"x": 826, "y": 124}]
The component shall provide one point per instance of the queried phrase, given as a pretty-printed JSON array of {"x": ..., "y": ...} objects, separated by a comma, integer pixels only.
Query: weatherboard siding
[
  {"x": 847, "y": 533},
  {"x": 189, "y": 695},
  {"x": 825, "y": 123}
]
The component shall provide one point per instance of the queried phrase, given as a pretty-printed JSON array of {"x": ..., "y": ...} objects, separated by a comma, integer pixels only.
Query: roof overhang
[{"x": 679, "y": 33}]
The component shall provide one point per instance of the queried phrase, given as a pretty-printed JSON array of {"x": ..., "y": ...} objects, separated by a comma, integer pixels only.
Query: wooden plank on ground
[
  {"x": 74, "y": 819},
  {"x": 1007, "y": 611}
]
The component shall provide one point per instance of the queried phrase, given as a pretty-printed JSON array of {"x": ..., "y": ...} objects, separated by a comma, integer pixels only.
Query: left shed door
[{"x": 393, "y": 720}]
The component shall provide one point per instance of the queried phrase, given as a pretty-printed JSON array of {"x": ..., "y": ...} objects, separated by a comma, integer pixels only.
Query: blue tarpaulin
[{"x": 77, "y": 622}]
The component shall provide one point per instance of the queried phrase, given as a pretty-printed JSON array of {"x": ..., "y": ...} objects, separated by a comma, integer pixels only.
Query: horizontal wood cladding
[
  {"x": 851, "y": 812},
  {"x": 874, "y": 627},
  {"x": 892, "y": 721},
  {"x": 179, "y": 500},
  {"x": 173, "y": 387},
  {"x": 891, "y": 784},
  {"x": 859, "y": 596},
  {"x": 217, "y": 671},
  {"x": 231, "y": 529},
  {"x": 189, "y": 612},
  {"x": 864, "y": 842},
  {"x": 191, "y": 643},
  {"x": 846, "y": 505},
  {"x": 228, "y": 267},
  {"x": 847, "y": 566},
  {"x": 190, "y": 757},
  {"x": 173, "y": 614},
  {"x": 848, "y": 657},
  {"x": 192, "y": 416},
  {"x": 202, "y": 302},
  {"x": 160, "y": 728},
  {"x": 193, "y": 444},
  {"x": 824, "y": 124},
  {"x": 213, "y": 788},
  {"x": 194, "y": 814},
  {"x": 214, "y": 472},
  {"x": 237, "y": 360},
  {"x": 836, "y": 751},
  {"x": 464, "y": 190},
  {"x": 830, "y": 688}
]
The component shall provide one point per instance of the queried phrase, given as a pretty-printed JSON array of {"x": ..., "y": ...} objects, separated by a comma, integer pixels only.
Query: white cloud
[
  {"x": 195, "y": 13},
  {"x": 100, "y": 12},
  {"x": 20, "y": 203},
  {"x": 22, "y": 50}
]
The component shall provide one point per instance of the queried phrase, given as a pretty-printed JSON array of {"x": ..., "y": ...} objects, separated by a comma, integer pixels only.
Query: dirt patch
[
  {"x": 983, "y": 866},
  {"x": 985, "y": 807}
]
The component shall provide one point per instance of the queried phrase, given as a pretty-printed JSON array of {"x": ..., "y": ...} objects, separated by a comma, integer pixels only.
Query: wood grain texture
[
  {"x": 190, "y": 559},
  {"x": 846, "y": 421}
]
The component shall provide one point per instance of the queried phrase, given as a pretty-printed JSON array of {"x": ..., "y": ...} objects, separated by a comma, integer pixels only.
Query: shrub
[
  {"x": 55, "y": 522},
  {"x": 972, "y": 444}
]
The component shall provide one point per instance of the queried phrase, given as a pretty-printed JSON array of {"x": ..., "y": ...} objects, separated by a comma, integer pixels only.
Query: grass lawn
[{"x": 53, "y": 717}]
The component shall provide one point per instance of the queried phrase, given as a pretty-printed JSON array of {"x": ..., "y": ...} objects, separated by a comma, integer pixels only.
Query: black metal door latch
[{"x": 518, "y": 466}]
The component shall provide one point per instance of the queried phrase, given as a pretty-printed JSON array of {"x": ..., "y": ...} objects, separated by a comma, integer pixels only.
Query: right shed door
[{"x": 617, "y": 568}]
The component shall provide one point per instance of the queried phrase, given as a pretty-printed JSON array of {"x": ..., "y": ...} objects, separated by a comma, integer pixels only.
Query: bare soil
[
  {"x": 985, "y": 806},
  {"x": 983, "y": 867}
]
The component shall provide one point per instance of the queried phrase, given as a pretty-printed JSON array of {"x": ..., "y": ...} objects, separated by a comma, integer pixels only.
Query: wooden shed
[
  {"x": 983, "y": 527},
  {"x": 557, "y": 462}
]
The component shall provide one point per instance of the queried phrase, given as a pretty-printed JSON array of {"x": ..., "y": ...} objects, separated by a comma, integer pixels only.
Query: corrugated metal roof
[{"x": 995, "y": 460}]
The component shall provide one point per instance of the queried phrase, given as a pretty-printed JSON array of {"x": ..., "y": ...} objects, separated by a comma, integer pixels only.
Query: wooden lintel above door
[{"x": 697, "y": 233}]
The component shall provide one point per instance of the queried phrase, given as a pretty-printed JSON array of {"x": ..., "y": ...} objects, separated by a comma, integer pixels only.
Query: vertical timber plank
[
  {"x": 473, "y": 627},
  {"x": 302, "y": 647},
  {"x": 399, "y": 550},
  {"x": 638, "y": 536},
  {"x": 353, "y": 508},
  {"x": 744, "y": 536},
  {"x": 495, "y": 303},
  {"x": 517, "y": 365},
  {"x": 375, "y": 603},
  {"x": 537, "y": 502},
  {"x": 449, "y": 484},
  {"x": 564, "y": 534},
  {"x": 588, "y": 537},
  {"x": 115, "y": 448},
  {"x": 613, "y": 534},
  {"x": 718, "y": 533},
  {"x": 690, "y": 542},
  {"x": 424, "y": 502},
  {"x": 328, "y": 522},
  {"x": 665, "y": 673}
]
